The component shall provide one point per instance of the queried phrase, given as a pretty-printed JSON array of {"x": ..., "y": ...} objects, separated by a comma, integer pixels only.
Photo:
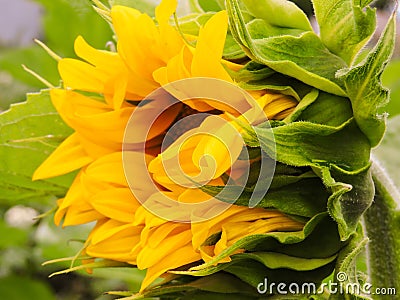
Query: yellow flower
[{"x": 151, "y": 55}]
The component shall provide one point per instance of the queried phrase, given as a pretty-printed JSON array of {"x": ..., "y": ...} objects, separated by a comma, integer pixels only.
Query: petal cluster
[{"x": 100, "y": 92}]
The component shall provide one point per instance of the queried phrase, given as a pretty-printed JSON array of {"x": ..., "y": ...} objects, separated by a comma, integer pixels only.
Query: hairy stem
[{"x": 382, "y": 224}]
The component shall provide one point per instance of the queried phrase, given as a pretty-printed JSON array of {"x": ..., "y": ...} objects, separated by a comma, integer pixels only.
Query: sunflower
[{"x": 98, "y": 98}]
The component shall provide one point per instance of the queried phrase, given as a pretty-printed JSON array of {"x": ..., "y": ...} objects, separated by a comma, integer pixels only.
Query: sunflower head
[{"x": 199, "y": 166}]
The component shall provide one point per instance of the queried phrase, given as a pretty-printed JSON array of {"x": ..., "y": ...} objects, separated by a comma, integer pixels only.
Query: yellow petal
[
  {"x": 80, "y": 75},
  {"x": 78, "y": 214},
  {"x": 210, "y": 45},
  {"x": 145, "y": 126},
  {"x": 116, "y": 203},
  {"x": 69, "y": 156},
  {"x": 115, "y": 90},
  {"x": 181, "y": 256},
  {"x": 87, "y": 116},
  {"x": 219, "y": 148},
  {"x": 165, "y": 10},
  {"x": 107, "y": 169},
  {"x": 135, "y": 30},
  {"x": 105, "y": 61},
  {"x": 150, "y": 256},
  {"x": 277, "y": 106},
  {"x": 114, "y": 241}
]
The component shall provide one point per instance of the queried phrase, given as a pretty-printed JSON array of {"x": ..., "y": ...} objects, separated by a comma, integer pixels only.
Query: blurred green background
[{"x": 26, "y": 243}]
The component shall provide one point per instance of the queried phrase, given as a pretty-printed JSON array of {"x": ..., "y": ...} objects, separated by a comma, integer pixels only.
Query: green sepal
[
  {"x": 321, "y": 147},
  {"x": 310, "y": 144},
  {"x": 345, "y": 26},
  {"x": 352, "y": 196},
  {"x": 278, "y": 83},
  {"x": 308, "y": 99},
  {"x": 304, "y": 198},
  {"x": 328, "y": 109},
  {"x": 364, "y": 88},
  {"x": 251, "y": 71},
  {"x": 316, "y": 66},
  {"x": 278, "y": 13},
  {"x": 191, "y": 24}
]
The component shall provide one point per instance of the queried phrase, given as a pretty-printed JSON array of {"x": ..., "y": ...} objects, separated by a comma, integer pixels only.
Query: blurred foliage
[
  {"x": 24, "y": 249},
  {"x": 306, "y": 5},
  {"x": 391, "y": 80},
  {"x": 387, "y": 152},
  {"x": 63, "y": 21}
]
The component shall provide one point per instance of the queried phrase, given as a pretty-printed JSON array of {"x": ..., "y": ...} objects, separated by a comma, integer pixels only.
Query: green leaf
[
  {"x": 215, "y": 286},
  {"x": 202, "y": 295},
  {"x": 281, "y": 180},
  {"x": 301, "y": 57},
  {"x": 275, "y": 82},
  {"x": 345, "y": 26},
  {"x": 232, "y": 50},
  {"x": 364, "y": 88},
  {"x": 255, "y": 273},
  {"x": 295, "y": 53},
  {"x": 222, "y": 283},
  {"x": 30, "y": 131}
]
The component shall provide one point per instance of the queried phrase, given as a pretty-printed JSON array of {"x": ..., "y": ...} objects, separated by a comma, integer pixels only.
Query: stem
[{"x": 382, "y": 224}]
